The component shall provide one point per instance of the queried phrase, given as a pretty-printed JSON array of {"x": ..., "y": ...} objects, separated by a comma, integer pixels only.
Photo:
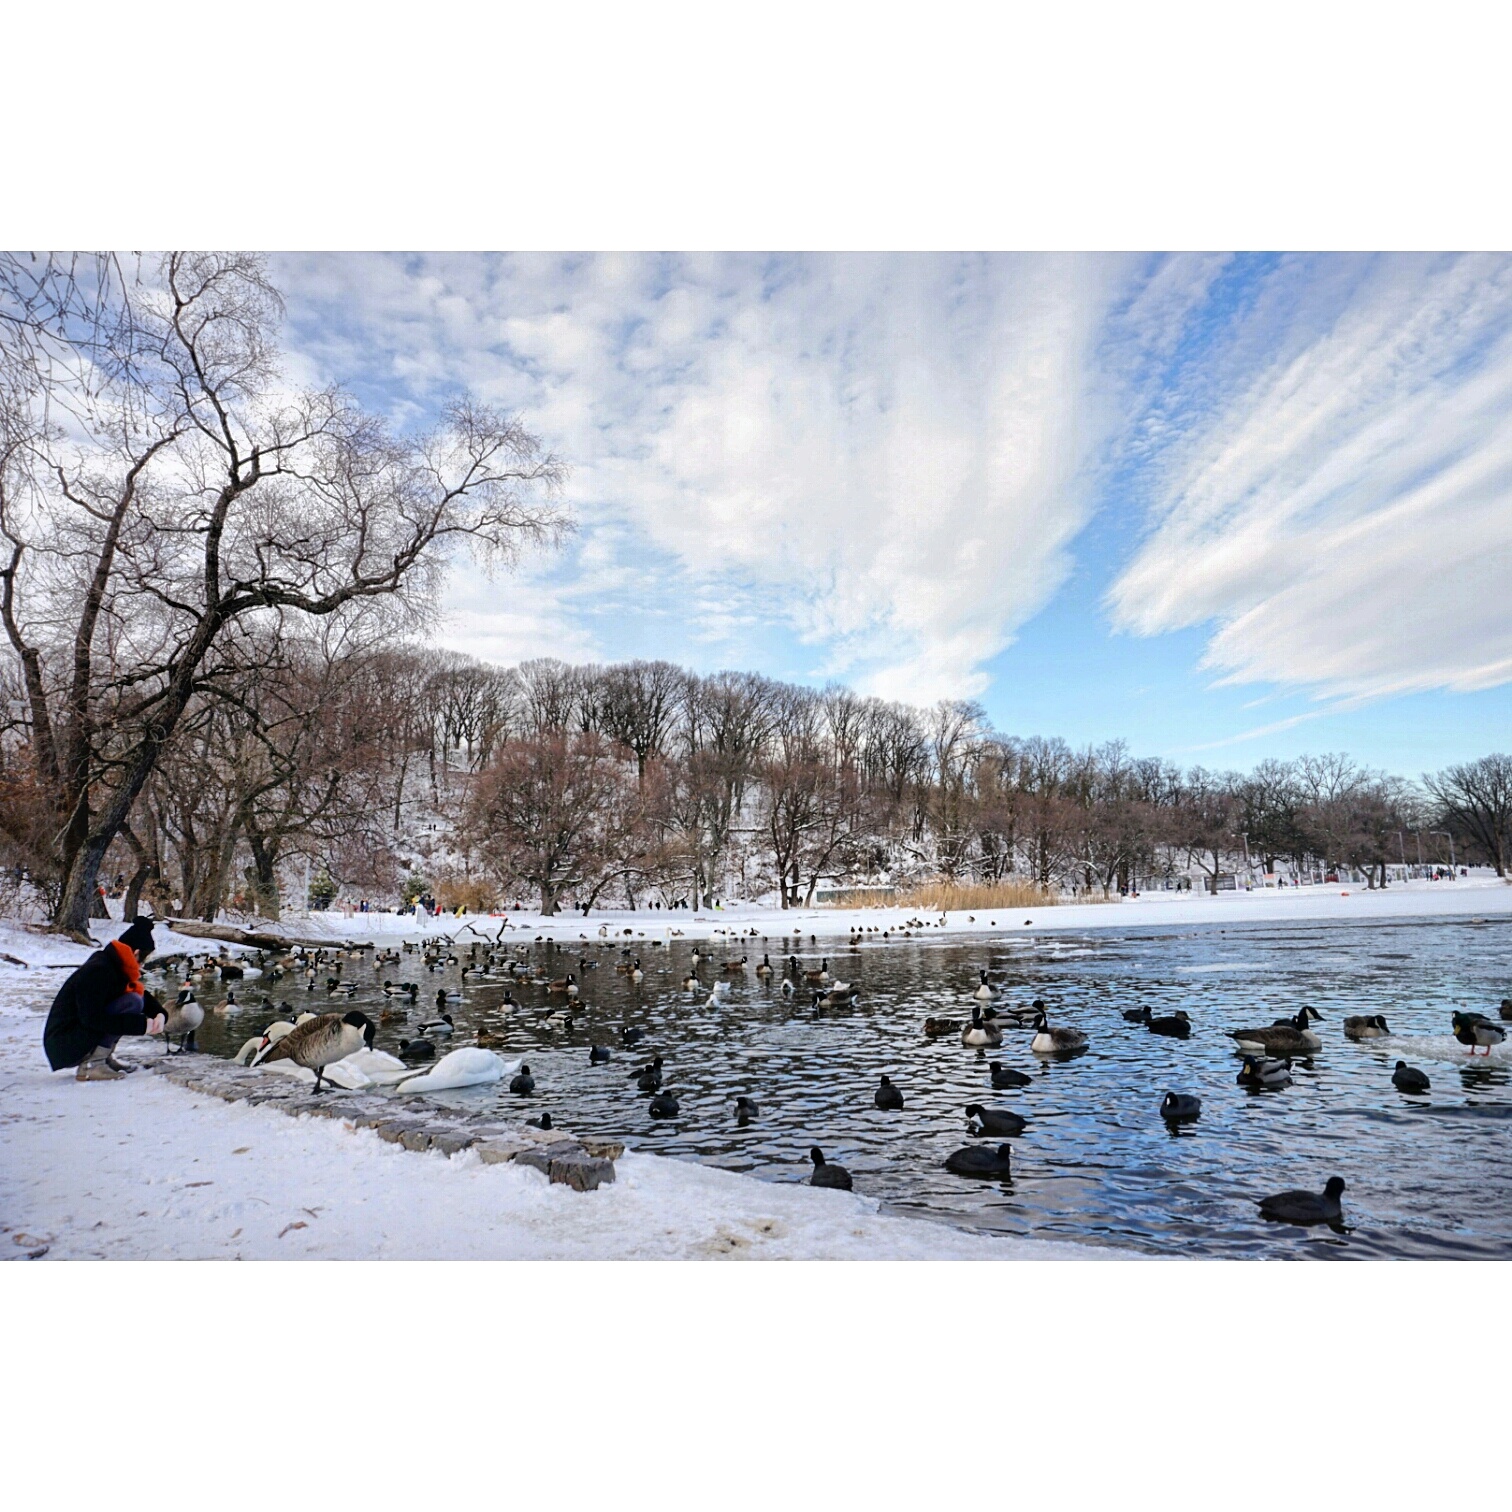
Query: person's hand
[{"x": 156, "y": 1024}]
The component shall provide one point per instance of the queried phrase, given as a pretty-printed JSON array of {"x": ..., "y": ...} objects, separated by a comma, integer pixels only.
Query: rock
[
  {"x": 451, "y": 1142},
  {"x": 498, "y": 1151},
  {"x": 394, "y": 1129},
  {"x": 415, "y": 1139},
  {"x": 605, "y": 1149},
  {"x": 583, "y": 1173},
  {"x": 540, "y": 1157}
]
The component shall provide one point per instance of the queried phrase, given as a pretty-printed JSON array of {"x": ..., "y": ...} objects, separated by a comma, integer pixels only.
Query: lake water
[{"x": 1428, "y": 1177}]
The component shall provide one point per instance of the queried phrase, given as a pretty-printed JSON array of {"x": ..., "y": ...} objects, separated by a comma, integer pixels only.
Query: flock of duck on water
[{"x": 318, "y": 1040}]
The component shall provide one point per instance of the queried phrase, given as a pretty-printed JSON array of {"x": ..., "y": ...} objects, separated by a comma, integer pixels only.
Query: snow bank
[{"x": 1484, "y": 895}]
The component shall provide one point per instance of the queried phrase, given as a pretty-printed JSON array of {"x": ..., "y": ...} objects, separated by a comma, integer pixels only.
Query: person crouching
[{"x": 101, "y": 1001}]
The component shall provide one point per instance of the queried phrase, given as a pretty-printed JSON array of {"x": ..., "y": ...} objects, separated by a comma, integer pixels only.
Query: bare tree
[
  {"x": 1475, "y": 798},
  {"x": 188, "y": 492}
]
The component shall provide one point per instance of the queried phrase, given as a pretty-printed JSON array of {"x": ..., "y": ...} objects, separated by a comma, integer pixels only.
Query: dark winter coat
[{"x": 78, "y": 1020}]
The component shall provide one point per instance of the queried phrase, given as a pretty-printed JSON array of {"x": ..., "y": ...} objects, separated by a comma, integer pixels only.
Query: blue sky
[{"x": 1223, "y": 507}]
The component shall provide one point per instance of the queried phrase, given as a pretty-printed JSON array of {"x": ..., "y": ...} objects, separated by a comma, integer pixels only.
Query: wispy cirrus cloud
[{"x": 1331, "y": 484}]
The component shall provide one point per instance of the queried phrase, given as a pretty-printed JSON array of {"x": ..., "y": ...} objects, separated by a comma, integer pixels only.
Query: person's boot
[
  {"x": 96, "y": 1066},
  {"x": 119, "y": 1065}
]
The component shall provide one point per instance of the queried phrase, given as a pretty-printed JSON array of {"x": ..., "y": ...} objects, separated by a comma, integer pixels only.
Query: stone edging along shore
[{"x": 410, "y": 1122}]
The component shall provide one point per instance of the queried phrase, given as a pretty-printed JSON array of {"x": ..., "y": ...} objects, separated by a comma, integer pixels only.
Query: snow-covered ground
[
  {"x": 1481, "y": 894},
  {"x": 140, "y": 1169}
]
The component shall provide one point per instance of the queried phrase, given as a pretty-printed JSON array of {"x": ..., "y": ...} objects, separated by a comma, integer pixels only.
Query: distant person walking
[{"x": 101, "y": 1001}]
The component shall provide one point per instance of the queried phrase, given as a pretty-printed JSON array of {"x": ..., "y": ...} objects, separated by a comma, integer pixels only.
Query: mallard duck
[
  {"x": 491, "y": 1039},
  {"x": 1259, "y": 1072},
  {"x": 1408, "y": 1078},
  {"x": 442, "y": 1025},
  {"x": 1293, "y": 1038},
  {"x": 1004, "y": 1077},
  {"x": 324, "y": 1041},
  {"x": 394, "y": 1016},
  {"x": 827, "y": 1175},
  {"x": 1136, "y": 1015},
  {"x": 981, "y": 1160},
  {"x": 1180, "y": 1108},
  {"x": 979, "y": 1033},
  {"x": 995, "y": 1120},
  {"x": 1364, "y": 1026},
  {"x": 1306, "y": 1208},
  {"x": 1048, "y": 1041},
  {"x": 934, "y": 1027},
  {"x": 887, "y": 1097},
  {"x": 1475, "y": 1030}
]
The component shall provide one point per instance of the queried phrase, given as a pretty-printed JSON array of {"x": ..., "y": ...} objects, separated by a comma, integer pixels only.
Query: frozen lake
[{"x": 1428, "y": 1177}]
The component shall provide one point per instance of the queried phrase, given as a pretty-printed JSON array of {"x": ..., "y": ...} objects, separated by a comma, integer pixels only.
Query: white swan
[{"x": 468, "y": 1067}]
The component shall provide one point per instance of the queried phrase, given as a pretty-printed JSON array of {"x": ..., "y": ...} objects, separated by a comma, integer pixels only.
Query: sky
[{"x": 1223, "y": 507}]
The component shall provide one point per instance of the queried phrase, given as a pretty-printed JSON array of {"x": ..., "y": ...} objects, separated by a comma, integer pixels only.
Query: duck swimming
[
  {"x": 995, "y": 1120},
  {"x": 1180, "y": 1108},
  {"x": 1259, "y": 1072},
  {"x": 827, "y": 1175},
  {"x": 984, "y": 992},
  {"x": 416, "y": 1050},
  {"x": 1004, "y": 1077},
  {"x": 1173, "y": 1026},
  {"x": 1408, "y": 1078},
  {"x": 1306, "y": 1208},
  {"x": 599, "y": 1055},
  {"x": 980, "y": 1160},
  {"x": 649, "y": 1078},
  {"x": 663, "y": 1105},
  {"x": 523, "y": 1084},
  {"x": 745, "y": 1111},
  {"x": 887, "y": 1097},
  {"x": 935, "y": 1027}
]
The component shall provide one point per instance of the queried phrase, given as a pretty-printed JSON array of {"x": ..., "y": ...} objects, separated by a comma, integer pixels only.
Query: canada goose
[
  {"x": 636, "y": 974},
  {"x": 324, "y": 1041},
  {"x": 442, "y": 1025},
  {"x": 1180, "y": 1108},
  {"x": 995, "y": 1120},
  {"x": 1474, "y": 1029},
  {"x": 566, "y": 984},
  {"x": 765, "y": 967},
  {"x": 827, "y": 1175},
  {"x": 820, "y": 977},
  {"x": 599, "y": 1054},
  {"x": 691, "y": 984},
  {"x": 649, "y": 1078},
  {"x": 663, "y": 1105},
  {"x": 1004, "y": 1077},
  {"x": 1259, "y": 1072},
  {"x": 935, "y": 1027},
  {"x": 745, "y": 1111},
  {"x": 978, "y": 1032},
  {"x": 984, "y": 993},
  {"x": 1294, "y": 1038},
  {"x": 1306, "y": 1208},
  {"x": 523, "y": 1084},
  {"x": 1366, "y": 1026},
  {"x": 981, "y": 1160},
  {"x": 182, "y": 1019},
  {"x": 735, "y": 968},
  {"x": 1048, "y": 1041},
  {"x": 887, "y": 1097},
  {"x": 1408, "y": 1078}
]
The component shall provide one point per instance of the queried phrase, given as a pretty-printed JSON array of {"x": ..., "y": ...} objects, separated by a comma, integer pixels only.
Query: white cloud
[
  {"x": 1334, "y": 491},
  {"x": 884, "y": 456}
]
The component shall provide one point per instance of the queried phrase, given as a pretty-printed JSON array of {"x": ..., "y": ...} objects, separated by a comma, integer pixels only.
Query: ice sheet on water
[{"x": 1443, "y": 1047}]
